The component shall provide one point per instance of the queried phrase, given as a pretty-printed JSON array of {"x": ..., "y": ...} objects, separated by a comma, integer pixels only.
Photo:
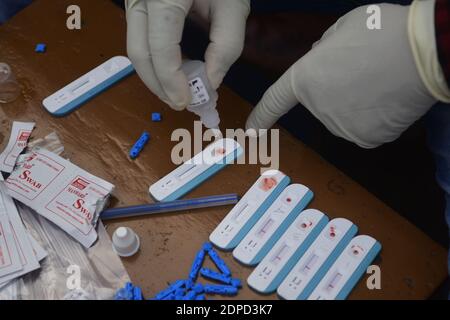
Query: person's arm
[{"x": 365, "y": 85}]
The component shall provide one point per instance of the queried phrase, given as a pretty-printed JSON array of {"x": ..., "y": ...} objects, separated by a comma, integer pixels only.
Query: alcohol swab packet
[
  {"x": 28, "y": 259},
  {"x": 9, "y": 255},
  {"x": 18, "y": 140},
  {"x": 38, "y": 251},
  {"x": 60, "y": 191}
]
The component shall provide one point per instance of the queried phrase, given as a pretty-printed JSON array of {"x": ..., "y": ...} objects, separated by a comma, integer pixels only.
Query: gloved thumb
[{"x": 276, "y": 101}]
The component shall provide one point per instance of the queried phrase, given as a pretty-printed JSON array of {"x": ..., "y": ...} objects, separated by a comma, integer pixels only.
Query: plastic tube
[{"x": 171, "y": 206}]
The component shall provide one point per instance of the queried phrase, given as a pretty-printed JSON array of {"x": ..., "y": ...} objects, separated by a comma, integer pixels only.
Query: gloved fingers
[
  {"x": 165, "y": 27},
  {"x": 276, "y": 101},
  {"x": 202, "y": 9},
  {"x": 227, "y": 35},
  {"x": 138, "y": 47}
]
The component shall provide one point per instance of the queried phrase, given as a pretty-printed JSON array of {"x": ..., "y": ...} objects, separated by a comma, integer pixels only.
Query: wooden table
[{"x": 98, "y": 136}]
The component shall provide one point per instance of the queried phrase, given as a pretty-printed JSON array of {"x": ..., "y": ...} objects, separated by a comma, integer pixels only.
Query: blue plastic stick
[
  {"x": 198, "y": 288},
  {"x": 197, "y": 264},
  {"x": 220, "y": 289},
  {"x": 156, "y": 116},
  {"x": 137, "y": 294},
  {"x": 139, "y": 145},
  {"x": 190, "y": 295},
  {"x": 210, "y": 274},
  {"x": 219, "y": 262},
  {"x": 169, "y": 297},
  {"x": 173, "y": 287},
  {"x": 171, "y": 206}
]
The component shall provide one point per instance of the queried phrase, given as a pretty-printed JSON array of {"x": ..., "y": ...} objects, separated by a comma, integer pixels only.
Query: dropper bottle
[{"x": 204, "y": 97}]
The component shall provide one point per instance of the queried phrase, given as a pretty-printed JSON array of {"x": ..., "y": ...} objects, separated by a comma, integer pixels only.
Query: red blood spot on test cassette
[
  {"x": 356, "y": 250},
  {"x": 268, "y": 183},
  {"x": 332, "y": 232},
  {"x": 219, "y": 151}
]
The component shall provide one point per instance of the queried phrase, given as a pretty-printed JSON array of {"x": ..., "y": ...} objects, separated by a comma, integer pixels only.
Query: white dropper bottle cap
[{"x": 125, "y": 242}]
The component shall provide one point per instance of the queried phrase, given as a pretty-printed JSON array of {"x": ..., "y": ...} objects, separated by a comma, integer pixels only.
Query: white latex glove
[
  {"x": 154, "y": 33},
  {"x": 362, "y": 84}
]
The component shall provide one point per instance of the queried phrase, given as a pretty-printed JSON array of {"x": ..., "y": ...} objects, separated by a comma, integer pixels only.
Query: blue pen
[{"x": 170, "y": 206}]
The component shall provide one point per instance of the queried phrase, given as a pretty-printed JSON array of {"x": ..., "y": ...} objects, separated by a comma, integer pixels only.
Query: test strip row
[
  {"x": 315, "y": 262},
  {"x": 272, "y": 224},
  {"x": 287, "y": 251},
  {"x": 298, "y": 253},
  {"x": 233, "y": 228}
]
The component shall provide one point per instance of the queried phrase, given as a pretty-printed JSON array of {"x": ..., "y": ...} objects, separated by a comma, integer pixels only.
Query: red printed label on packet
[
  {"x": 37, "y": 172},
  {"x": 80, "y": 184},
  {"x": 20, "y": 144},
  {"x": 23, "y": 136},
  {"x": 76, "y": 203}
]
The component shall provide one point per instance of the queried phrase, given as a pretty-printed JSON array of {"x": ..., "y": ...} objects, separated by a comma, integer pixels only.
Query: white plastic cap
[{"x": 125, "y": 242}]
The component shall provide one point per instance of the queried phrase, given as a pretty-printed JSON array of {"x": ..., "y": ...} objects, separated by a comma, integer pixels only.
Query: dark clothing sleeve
[{"x": 442, "y": 27}]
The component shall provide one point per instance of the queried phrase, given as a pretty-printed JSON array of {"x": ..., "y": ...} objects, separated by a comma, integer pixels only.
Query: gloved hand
[
  {"x": 367, "y": 86},
  {"x": 154, "y": 33}
]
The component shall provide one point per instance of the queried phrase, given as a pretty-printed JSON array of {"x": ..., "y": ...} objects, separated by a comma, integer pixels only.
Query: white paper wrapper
[
  {"x": 18, "y": 140},
  {"x": 60, "y": 191}
]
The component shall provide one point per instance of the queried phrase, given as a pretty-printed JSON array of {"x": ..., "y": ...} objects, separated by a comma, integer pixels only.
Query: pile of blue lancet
[
  {"x": 129, "y": 292},
  {"x": 190, "y": 289}
]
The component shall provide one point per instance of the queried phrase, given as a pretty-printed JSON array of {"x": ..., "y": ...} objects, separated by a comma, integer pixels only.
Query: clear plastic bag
[
  {"x": 9, "y": 87},
  {"x": 100, "y": 269}
]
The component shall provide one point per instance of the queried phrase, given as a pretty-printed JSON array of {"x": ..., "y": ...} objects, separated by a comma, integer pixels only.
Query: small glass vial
[
  {"x": 204, "y": 97},
  {"x": 9, "y": 87}
]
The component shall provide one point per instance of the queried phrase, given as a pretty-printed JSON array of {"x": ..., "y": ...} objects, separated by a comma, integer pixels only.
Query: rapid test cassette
[
  {"x": 249, "y": 209},
  {"x": 285, "y": 253},
  {"x": 349, "y": 267},
  {"x": 312, "y": 266},
  {"x": 196, "y": 170},
  {"x": 273, "y": 223},
  {"x": 87, "y": 86}
]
